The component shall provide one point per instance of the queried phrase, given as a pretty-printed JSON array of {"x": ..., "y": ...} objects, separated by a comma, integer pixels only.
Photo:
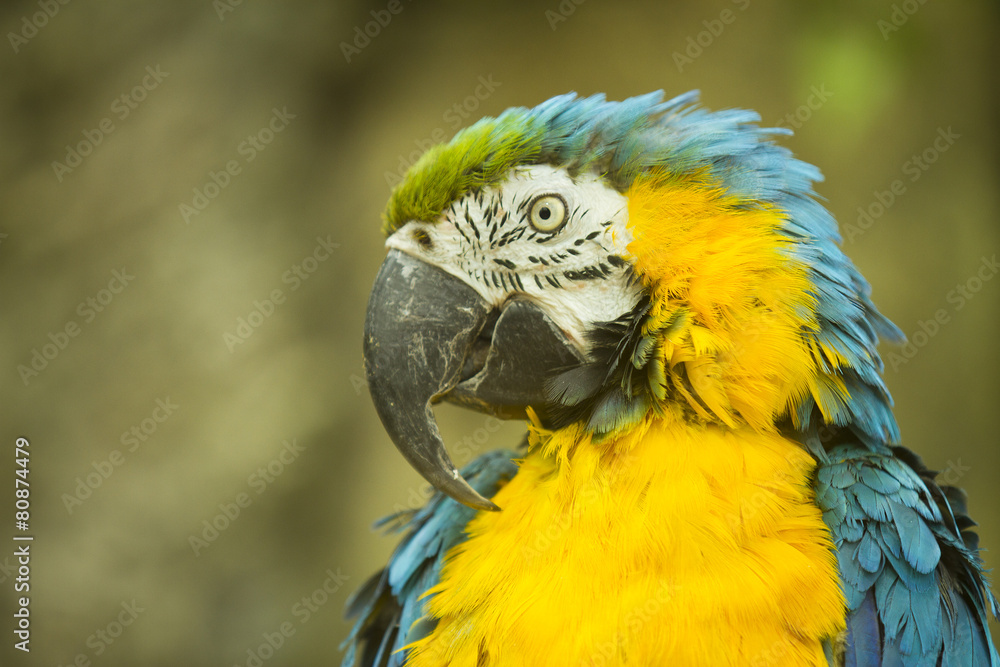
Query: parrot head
[{"x": 603, "y": 264}]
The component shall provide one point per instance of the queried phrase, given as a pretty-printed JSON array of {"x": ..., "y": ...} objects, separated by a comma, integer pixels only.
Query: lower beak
[{"x": 428, "y": 337}]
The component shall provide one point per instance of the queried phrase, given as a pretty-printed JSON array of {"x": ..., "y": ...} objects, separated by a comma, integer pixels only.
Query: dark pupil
[{"x": 544, "y": 213}]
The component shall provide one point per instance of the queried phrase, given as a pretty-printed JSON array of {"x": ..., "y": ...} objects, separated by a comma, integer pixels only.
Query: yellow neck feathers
[
  {"x": 676, "y": 545},
  {"x": 733, "y": 309}
]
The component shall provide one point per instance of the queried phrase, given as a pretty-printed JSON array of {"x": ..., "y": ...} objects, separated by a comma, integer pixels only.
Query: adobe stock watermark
[
  {"x": 462, "y": 452},
  {"x": 900, "y": 14},
  {"x": 358, "y": 382},
  {"x": 363, "y": 35},
  {"x": 88, "y": 309},
  {"x": 954, "y": 472},
  {"x": 131, "y": 440},
  {"x": 102, "y": 638},
  {"x": 557, "y": 526},
  {"x": 958, "y": 297},
  {"x": 121, "y": 107},
  {"x": 562, "y": 12},
  {"x": 453, "y": 116},
  {"x": 31, "y": 25},
  {"x": 699, "y": 42},
  {"x": 914, "y": 168},
  {"x": 777, "y": 651},
  {"x": 258, "y": 482},
  {"x": 633, "y": 623},
  {"x": 223, "y": 7},
  {"x": 762, "y": 500},
  {"x": 8, "y": 569},
  {"x": 248, "y": 149},
  {"x": 802, "y": 113},
  {"x": 303, "y": 610},
  {"x": 295, "y": 276}
]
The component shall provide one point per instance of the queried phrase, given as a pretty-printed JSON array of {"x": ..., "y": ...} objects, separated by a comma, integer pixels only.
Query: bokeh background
[{"x": 865, "y": 85}]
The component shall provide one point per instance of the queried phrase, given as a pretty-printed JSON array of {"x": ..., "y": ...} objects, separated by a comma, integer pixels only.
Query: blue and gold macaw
[{"x": 712, "y": 472}]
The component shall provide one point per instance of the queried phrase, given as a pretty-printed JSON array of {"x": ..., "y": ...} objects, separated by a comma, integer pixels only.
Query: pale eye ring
[{"x": 547, "y": 213}]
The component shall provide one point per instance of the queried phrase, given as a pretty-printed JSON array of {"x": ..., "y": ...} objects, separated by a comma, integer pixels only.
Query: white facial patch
[{"x": 578, "y": 272}]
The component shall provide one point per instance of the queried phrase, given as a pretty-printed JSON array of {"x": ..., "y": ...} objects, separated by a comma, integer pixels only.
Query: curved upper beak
[{"x": 429, "y": 336}]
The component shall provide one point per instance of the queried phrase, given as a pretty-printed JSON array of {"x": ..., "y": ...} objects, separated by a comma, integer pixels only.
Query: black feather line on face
[
  {"x": 472, "y": 223},
  {"x": 612, "y": 390},
  {"x": 511, "y": 236}
]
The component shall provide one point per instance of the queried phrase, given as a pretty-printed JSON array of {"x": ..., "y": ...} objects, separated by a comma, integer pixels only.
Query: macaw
[{"x": 711, "y": 473}]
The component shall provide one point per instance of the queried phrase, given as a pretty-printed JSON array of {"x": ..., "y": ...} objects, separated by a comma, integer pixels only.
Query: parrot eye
[{"x": 547, "y": 213}]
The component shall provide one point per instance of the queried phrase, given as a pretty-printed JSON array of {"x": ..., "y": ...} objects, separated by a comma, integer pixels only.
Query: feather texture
[
  {"x": 912, "y": 581},
  {"x": 671, "y": 545},
  {"x": 390, "y": 608}
]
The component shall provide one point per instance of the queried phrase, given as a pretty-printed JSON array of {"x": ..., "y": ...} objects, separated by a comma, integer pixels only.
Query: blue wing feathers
[
  {"x": 915, "y": 589},
  {"x": 864, "y": 635}
]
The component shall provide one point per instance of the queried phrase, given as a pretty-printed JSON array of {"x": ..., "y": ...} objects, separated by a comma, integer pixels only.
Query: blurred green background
[{"x": 158, "y": 100}]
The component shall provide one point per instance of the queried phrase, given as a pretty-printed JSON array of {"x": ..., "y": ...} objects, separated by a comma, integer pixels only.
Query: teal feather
[{"x": 911, "y": 579}]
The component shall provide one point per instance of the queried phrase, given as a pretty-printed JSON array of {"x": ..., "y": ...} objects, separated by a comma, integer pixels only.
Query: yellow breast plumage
[{"x": 677, "y": 545}]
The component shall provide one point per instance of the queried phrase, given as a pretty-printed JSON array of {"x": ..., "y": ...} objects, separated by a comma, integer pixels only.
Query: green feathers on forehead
[
  {"x": 578, "y": 133},
  {"x": 621, "y": 140}
]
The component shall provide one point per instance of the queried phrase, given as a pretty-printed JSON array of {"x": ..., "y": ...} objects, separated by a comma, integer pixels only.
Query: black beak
[{"x": 428, "y": 337}]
